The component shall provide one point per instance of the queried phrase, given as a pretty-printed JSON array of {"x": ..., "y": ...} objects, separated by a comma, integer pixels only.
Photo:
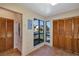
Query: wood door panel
[
  {"x": 68, "y": 34},
  {"x": 75, "y": 31},
  {"x": 6, "y": 34},
  {"x": 61, "y": 33},
  {"x": 9, "y": 40},
  {"x": 55, "y": 33},
  {"x": 77, "y": 50},
  {"x": 2, "y": 45},
  {"x": 2, "y": 34},
  {"x": 76, "y": 35}
]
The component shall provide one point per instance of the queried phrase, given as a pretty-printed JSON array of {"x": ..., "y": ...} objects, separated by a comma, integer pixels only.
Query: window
[
  {"x": 48, "y": 31},
  {"x": 38, "y": 31}
]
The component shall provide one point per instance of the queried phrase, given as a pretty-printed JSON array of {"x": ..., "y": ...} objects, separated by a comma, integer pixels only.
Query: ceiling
[{"x": 47, "y": 10}]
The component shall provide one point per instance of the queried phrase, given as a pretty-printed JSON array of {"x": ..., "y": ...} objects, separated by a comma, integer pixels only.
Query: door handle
[{"x": 9, "y": 35}]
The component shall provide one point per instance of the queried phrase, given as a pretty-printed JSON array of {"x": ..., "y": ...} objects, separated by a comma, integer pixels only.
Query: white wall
[
  {"x": 71, "y": 13},
  {"x": 17, "y": 37},
  {"x": 27, "y": 39}
]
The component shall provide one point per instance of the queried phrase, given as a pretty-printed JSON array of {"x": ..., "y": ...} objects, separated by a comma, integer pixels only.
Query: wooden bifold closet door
[
  {"x": 9, "y": 34},
  {"x": 55, "y": 33},
  {"x": 61, "y": 34},
  {"x": 66, "y": 34},
  {"x": 6, "y": 34},
  {"x": 58, "y": 33},
  {"x": 76, "y": 35},
  {"x": 2, "y": 34}
]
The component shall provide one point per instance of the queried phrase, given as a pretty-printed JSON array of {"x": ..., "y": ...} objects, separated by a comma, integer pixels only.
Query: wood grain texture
[
  {"x": 9, "y": 34},
  {"x": 55, "y": 33},
  {"x": 6, "y": 34},
  {"x": 68, "y": 37},
  {"x": 76, "y": 35},
  {"x": 68, "y": 34},
  {"x": 61, "y": 34},
  {"x": 2, "y": 34}
]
